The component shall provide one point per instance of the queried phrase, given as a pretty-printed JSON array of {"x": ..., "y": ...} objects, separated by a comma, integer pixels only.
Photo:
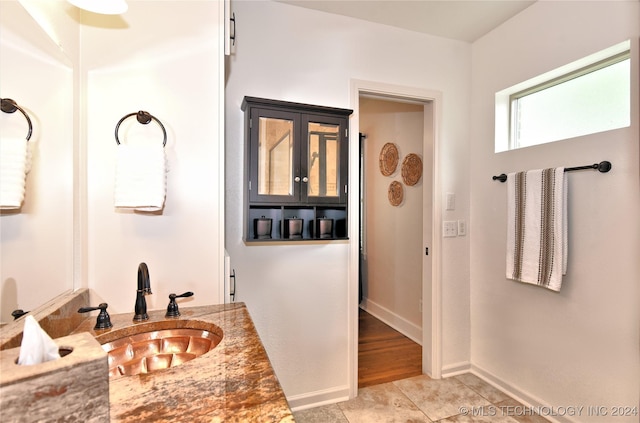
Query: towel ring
[
  {"x": 10, "y": 106},
  {"x": 144, "y": 118}
]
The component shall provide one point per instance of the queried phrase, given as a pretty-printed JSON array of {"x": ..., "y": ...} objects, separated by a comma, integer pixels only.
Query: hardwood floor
[{"x": 384, "y": 354}]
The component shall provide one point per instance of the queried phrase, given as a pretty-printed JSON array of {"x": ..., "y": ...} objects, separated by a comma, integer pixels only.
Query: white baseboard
[
  {"x": 318, "y": 398},
  {"x": 405, "y": 327},
  {"x": 525, "y": 398},
  {"x": 456, "y": 369}
]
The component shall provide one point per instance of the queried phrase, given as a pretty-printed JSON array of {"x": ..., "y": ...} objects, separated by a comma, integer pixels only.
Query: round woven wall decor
[
  {"x": 411, "y": 169},
  {"x": 388, "y": 159},
  {"x": 396, "y": 193}
]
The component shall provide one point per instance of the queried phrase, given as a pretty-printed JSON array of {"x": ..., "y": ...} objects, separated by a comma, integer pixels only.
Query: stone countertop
[{"x": 234, "y": 382}]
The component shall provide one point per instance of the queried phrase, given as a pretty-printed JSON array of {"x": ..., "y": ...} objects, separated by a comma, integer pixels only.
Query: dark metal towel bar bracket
[
  {"x": 143, "y": 118},
  {"x": 10, "y": 106},
  {"x": 602, "y": 167},
  {"x": 233, "y": 21}
]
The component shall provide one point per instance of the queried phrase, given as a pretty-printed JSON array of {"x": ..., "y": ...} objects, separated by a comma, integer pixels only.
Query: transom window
[{"x": 576, "y": 100}]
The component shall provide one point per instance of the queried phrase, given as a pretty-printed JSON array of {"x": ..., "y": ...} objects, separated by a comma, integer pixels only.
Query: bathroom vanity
[{"x": 233, "y": 382}]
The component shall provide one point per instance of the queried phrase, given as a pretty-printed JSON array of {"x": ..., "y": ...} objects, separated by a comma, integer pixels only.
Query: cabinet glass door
[
  {"x": 275, "y": 156},
  {"x": 274, "y": 160},
  {"x": 323, "y": 160}
]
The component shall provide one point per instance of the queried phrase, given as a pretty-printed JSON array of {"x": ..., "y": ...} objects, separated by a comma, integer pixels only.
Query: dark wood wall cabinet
[{"x": 296, "y": 176}]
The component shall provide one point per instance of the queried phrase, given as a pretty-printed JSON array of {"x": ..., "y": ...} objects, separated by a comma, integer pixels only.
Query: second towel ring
[
  {"x": 144, "y": 118},
  {"x": 10, "y": 106}
]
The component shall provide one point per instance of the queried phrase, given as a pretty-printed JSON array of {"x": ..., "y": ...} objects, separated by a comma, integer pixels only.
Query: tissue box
[{"x": 74, "y": 387}]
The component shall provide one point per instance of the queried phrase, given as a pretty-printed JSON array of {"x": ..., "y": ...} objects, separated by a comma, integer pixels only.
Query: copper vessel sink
[{"x": 150, "y": 347}]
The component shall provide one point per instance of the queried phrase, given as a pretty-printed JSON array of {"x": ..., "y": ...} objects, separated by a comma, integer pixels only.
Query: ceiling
[{"x": 464, "y": 20}]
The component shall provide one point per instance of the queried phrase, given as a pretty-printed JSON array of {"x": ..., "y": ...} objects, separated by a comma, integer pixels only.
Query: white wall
[
  {"x": 297, "y": 293},
  {"x": 36, "y": 241},
  {"x": 149, "y": 60},
  {"x": 580, "y": 346},
  {"x": 393, "y": 249}
]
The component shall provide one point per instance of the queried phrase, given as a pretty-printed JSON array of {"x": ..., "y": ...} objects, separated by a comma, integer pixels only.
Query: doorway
[
  {"x": 418, "y": 314},
  {"x": 391, "y": 130}
]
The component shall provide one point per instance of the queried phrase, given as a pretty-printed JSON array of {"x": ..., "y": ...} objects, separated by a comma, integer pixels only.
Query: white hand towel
[
  {"x": 537, "y": 227},
  {"x": 141, "y": 180},
  {"x": 15, "y": 162}
]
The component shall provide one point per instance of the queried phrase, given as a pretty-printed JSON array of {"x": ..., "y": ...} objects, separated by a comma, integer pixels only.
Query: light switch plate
[
  {"x": 450, "y": 228},
  {"x": 451, "y": 201}
]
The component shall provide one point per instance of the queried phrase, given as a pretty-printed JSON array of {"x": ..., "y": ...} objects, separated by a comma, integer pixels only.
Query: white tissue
[{"x": 37, "y": 346}]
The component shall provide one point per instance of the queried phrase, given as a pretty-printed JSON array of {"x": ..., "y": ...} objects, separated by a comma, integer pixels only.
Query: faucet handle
[
  {"x": 103, "y": 321},
  {"x": 18, "y": 313},
  {"x": 172, "y": 308}
]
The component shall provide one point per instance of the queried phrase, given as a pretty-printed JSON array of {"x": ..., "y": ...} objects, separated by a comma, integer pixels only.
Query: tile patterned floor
[{"x": 465, "y": 398}]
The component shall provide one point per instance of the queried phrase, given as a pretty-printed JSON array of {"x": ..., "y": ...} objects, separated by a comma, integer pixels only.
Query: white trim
[
  {"x": 221, "y": 276},
  {"x": 80, "y": 216},
  {"x": 432, "y": 291},
  {"x": 226, "y": 16},
  {"x": 399, "y": 323},
  {"x": 353, "y": 297},
  {"x": 318, "y": 398},
  {"x": 525, "y": 398},
  {"x": 435, "y": 371},
  {"x": 455, "y": 369}
]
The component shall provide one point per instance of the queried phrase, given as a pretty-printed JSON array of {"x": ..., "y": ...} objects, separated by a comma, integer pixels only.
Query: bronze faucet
[{"x": 144, "y": 288}]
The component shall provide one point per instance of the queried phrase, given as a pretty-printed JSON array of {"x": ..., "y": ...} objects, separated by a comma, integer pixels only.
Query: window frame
[{"x": 505, "y": 99}]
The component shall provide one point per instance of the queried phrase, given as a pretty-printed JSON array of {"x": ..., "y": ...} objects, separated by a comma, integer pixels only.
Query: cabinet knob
[
  {"x": 305, "y": 179},
  {"x": 296, "y": 179}
]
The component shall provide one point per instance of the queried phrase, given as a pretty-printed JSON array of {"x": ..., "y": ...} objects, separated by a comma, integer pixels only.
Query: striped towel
[{"x": 537, "y": 227}]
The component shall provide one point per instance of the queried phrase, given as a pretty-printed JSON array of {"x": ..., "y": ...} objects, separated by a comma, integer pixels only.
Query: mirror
[
  {"x": 275, "y": 157},
  {"x": 36, "y": 241},
  {"x": 324, "y": 160}
]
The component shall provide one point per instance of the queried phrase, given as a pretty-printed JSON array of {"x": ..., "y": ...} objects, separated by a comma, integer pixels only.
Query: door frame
[{"x": 431, "y": 283}]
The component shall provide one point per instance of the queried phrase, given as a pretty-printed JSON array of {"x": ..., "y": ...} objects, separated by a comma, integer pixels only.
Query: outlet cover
[{"x": 462, "y": 227}]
